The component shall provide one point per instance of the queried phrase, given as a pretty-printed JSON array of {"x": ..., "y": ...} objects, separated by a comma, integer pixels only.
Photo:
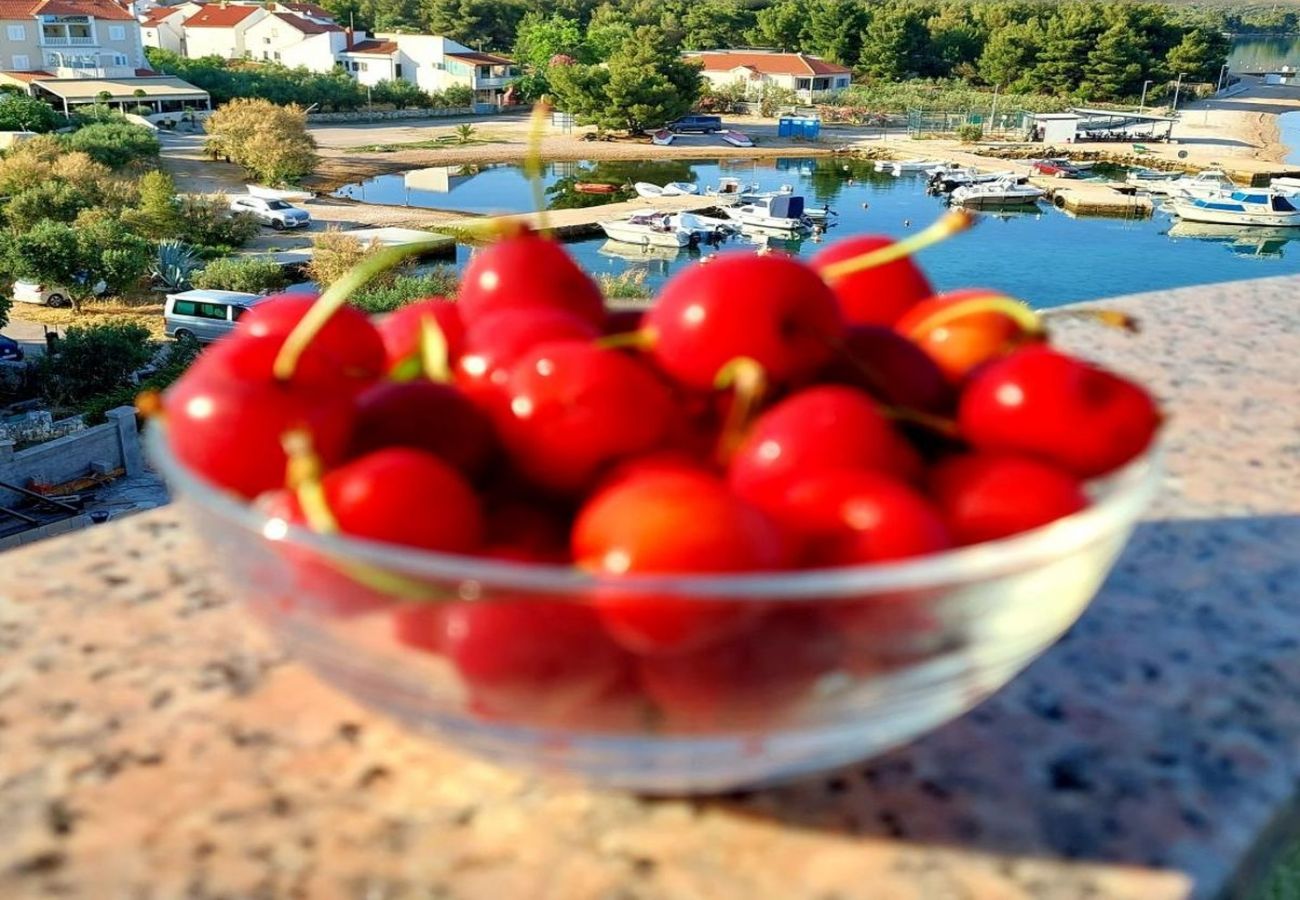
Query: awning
[{"x": 88, "y": 90}]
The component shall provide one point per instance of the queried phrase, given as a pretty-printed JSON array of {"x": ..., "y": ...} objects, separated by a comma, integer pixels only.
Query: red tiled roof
[
  {"x": 482, "y": 59},
  {"x": 306, "y": 26},
  {"x": 158, "y": 13},
  {"x": 379, "y": 48},
  {"x": 28, "y": 76},
  {"x": 214, "y": 16},
  {"x": 768, "y": 63},
  {"x": 100, "y": 9}
]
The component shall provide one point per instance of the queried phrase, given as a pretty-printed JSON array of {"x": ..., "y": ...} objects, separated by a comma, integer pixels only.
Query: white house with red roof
[
  {"x": 799, "y": 72},
  {"x": 164, "y": 26},
  {"x": 69, "y": 38},
  {"x": 294, "y": 40},
  {"x": 219, "y": 29},
  {"x": 432, "y": 63}
]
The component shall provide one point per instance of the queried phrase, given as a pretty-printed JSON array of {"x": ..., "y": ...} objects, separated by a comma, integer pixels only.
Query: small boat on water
[
  {"x": 1202, "y": 184},
  {"x": 945, "y": 181},
  {"x": 1003, "y": 192},
  {"x": 595, "y": 187},
  {"x": 1152, "y": 181},
  {"x": 1247, "y": 206},
  {"x": 782, "y": 212},
  {"x": 266, "y": 193},
  {"x": 655, "y": 228},
  {"x": 663, "y": 137},
  {"x": 671, "y": 189},
  {"x": 906, "y": 166}
]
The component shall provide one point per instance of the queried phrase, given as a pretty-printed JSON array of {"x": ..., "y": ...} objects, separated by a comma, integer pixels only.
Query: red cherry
[
  {"x": 819, "y": 428},
  {"x": 986, "y": 496},
  {"x": 891, "y": 368},
  {"x": 1043, "y": 403},
  {"x": 494, "y": 343},
  {"x": 405, "y": 496},
  {"x": 226, "y": 416},
  {"x": 402, "y": 330},
  {"x": 875, "y": 296},
  {"x": 427, "y": 416},
  {"x": 672, "y": 522},
  {"x": 771, "y": 309},
  {"x": 751, "y": 680},
  {"x": 852, "y": 516},
  {"x": 576, "y": 408},
  {"x": 959, "y": 345},
  {"x": 528, "y": 270},
  {"x": 533, "y": 660},
  {"x": 347, "y": 339}
]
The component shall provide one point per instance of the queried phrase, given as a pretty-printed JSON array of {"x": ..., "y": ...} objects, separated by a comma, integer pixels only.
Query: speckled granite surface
[{"x": 153, "y": 744}]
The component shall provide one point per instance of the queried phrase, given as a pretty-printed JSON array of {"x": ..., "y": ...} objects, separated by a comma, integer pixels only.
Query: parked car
[
  {"x": 205, "y": 315},
  {"x": 276, "y": 213},
  {"x": 47, "y": 294},
  {"x": 10, "y": 350},
  {"x": 706, "y": 124}
]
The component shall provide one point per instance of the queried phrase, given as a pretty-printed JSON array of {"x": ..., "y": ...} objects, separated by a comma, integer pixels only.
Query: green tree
[
  {"x": 956, "y": 42},
  {"x": 251, "y": 275},
  {"x": 716, "y": 24},
  {"x": 399, "y": 93},
  {"x": 52, "y": 200},
  {"x": 1008, "y": 57},
  {"x": 780, "y": 25},
  {"x": 490, "y": 24},
  {"x": 157, "y": 215},
  {"x": 22, "y": 113},
  {"x": 645, "y": 84},
  {"x": 115, "y": 144},
  {"x": 607, "y": 30},
  {"x": 834, "y": 30},
  {"x": 1071, "y": 33},
  {"x": 1201, "y": 54},
  {"x": 895, "y": 43},
  {"x": 92, "y": 360},
  {"x": 208, "y": 222},
  {"x": 1114, "y": 69},
  {"x": 539, "y": 40},
  {"x": 270, "y": 142}
]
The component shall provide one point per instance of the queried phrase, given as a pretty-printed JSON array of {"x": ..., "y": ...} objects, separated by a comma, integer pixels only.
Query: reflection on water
[
  {"x": 1264, "y": 51},
  {"x": 1267, "y": 243}
]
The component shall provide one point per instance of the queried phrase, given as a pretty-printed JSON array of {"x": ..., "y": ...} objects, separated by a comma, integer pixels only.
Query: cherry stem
[
  {"x": 1111, "y": 318},
  {"x": 937, "y": 424},
  {"x": 641, "y": 339},
  {"x": 303, "y": 478},
  {"x": 149, "y": 404},
  {"x": 434, "y": 353},
  {"x": 945, "y": 227},
  {"x": 286, "y": 361},
  {"x": 746, "y": 377},
  {"x": 533, "y": 159},
  {"x": 1018, "y": 312}
]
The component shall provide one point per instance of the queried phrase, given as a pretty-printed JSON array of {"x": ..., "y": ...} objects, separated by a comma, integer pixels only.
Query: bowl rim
[{"x": 1120, "y": 499}]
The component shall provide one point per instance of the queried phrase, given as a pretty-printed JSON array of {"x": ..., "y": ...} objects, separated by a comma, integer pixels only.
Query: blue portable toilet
[
  {"x": 812, "y": 128},
  {"x": 785, "y": 126}
]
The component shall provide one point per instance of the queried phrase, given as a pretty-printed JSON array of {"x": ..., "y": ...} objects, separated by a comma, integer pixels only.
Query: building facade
[
  {"x": 221, "y": 30},
  {"x": 806, "y": 75},
  {"x": 432, "y": 63},
  {"x": 271, "y": 38},
  {"x": 70, "y": 38}
]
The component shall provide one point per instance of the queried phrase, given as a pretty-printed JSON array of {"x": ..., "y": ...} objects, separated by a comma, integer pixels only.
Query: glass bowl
[{"x": 807, "y": 670}]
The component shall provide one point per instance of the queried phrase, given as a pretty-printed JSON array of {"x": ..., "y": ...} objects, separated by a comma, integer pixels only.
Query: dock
[{"x": 584, "y": 221}]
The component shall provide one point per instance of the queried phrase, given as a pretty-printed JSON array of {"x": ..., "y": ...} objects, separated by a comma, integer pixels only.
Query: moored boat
[
  {"x": 1003, "y": 192},
  {"x": 782, "y": 212},
  {"x": 1202, "y": 184},
  {"x": 1247, "y": 206},
  {"x": 1152, "y": 181},
  {"x": 594, "y": 187},
  {"x": 671, "y": 189},
  {"x": 655, "y": 228}
]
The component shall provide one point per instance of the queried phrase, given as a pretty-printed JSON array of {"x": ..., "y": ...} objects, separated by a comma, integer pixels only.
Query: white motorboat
[
  {"x": 1285, "y": 185},
  {"x": 705, "y": 227},
  {"x": 1246, "y": 206},
  {"x": 671, "y": 189},
  {"x": 1153, "y": 181},
  {"x": 266, "y": 193},
  {"x": 654, "y": 228},
  {"x": 947, "y": 180},
  {"x": 783, "y": 212},
  {"x": 907, "y": 166},
  {"x": 1202, "y": 184},
  {"x": 1003, "y": 192}
]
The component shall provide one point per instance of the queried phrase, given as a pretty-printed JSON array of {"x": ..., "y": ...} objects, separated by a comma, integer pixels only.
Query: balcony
[
  {"x": 64, "y": 41},
  {"x": 91, "y": 71},
  {"x": 497, "y": 82}
]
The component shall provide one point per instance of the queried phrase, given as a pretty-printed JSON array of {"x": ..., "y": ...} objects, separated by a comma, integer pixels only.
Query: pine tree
[
  {"x": 1009, "y": 55},
  {"x": 780, "y": 26},
  {"x": 834, "y": 30},
  {"x": 896, "y": 43},
  {"x": 1201, "y": 54},
  {"x": 1114, "y": 70},
  {"x": 158, "y": 213},
  {"x": 1070, "y": 35}
]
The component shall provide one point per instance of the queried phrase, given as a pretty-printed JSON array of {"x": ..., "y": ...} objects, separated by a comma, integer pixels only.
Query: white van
[{"x": 205, "y": 315}]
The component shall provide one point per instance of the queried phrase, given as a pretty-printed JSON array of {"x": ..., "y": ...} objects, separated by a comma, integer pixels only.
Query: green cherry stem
[{"x": 746, "y": 377}]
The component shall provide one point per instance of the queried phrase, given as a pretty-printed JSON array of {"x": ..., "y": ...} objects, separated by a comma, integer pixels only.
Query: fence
[
  {"x": 104, "y": 448},
  {"x": 1003, "y": 126}
]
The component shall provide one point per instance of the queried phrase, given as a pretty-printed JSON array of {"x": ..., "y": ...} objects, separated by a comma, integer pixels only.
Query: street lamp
[
  {"x": 1177, "y": 87},
  {"x": 1143, "y": 102}
]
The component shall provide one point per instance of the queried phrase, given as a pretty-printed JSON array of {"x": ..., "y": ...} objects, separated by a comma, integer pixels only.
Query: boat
[
  {"x": 663, "y": 137},
  {"x": 1247, "y": 206},
  {"x": 706, "y": 228},
  {"x": 594, "y": 187},
  {"x": 906, "y": 166},
  {"x": 783, "y": 212},
  {"x": 737, "y": 138},
  {"x": 671, "y": 189},
  {"x": 820, "y": 215},
  {"x": 1003, "y": 192},
  {"x": 1285, "y": 185},
  {"x": 655, "y": 228},
  {"x": 946, "y": 181},
  {"x": 266, "y": 193},
  {"x": 1151, "y": 180},
  {"x": 1202, "y": 184}
]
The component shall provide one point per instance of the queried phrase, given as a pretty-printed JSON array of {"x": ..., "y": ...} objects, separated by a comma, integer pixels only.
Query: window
[
  {"x": 119, "y": 59},
  {"x": 266, "y": 40},
  {"x": 184, "y": 308},
  {"x": 237, "y": 311},
  {"x": 265, "y": 55},
  {"x": 21, "y": 62},
  {"x": 117, "y": 32},
  {"x": 363, "y": 67},
  {"x": 213, "y": 311},
  {"x": 397, "y": 68},
  {"x": 17, "y": 33},
  {"x": 277, "y": 55}
]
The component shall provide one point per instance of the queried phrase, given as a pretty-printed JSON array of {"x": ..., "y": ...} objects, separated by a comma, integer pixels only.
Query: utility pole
[
  {"x": 1142, "y": 104},
  {"x": 1177, "y": 88},
  {"x": 994, "y": 111},
  {"x": 1222, "y": 73}
]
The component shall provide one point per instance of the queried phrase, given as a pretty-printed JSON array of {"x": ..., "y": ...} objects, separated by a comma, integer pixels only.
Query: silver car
[
  {"x": 205, "y": 315},
  {"x": 276, "y": 213}
]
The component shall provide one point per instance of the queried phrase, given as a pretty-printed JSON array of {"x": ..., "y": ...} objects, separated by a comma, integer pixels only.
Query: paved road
[{"x": 30, "y": 334}]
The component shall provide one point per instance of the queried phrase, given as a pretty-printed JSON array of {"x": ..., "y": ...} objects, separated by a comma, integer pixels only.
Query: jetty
[{"x": 585, "y": 221}]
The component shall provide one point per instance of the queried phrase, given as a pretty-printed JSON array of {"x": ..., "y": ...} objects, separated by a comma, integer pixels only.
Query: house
[
  {"x": 165, "y": 95},
  {"x": 318, "y": 14},
  {"x": 432, "y": 63},
  {"x": 164, "y": 26},
  {"x": 294, "y": 40},
  {"x": 69, "y": 38},
  {"x": 805, "y": 75},
  {"x": 219, "y": 29}
]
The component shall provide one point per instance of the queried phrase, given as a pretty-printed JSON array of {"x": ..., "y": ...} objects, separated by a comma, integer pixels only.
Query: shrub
[
  {"x": 115, "y": 144},
  {"x": 404, "y": 289},
  {"x": 458, "y": 95},
  {"x": 6, "y": 302},
  {"x": 22, "y": 113},
  {"x": 970, "y": 132},
  {"x": 465, "y": 133},
  {"x": 248, "y": 275},
  {"x": 51, "y": 200},
  {"x": 158, "y": 214},
  {"x": 174, "y": 264},
  {"x": 270, "y": 142},
  {"x": 334, "y": 253},
  {"x": 93, "y": 360},
  {"x": 773, "y": 99},
  {"x": 400, "y": 94},
  {"x": 208, "y": 222},
  {"x": 173, "y": 362},
  {"x": 629, "y": 285}
]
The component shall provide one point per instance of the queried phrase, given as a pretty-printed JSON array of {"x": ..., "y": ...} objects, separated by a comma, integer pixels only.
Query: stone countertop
[{"x": 154, "y": 744}]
